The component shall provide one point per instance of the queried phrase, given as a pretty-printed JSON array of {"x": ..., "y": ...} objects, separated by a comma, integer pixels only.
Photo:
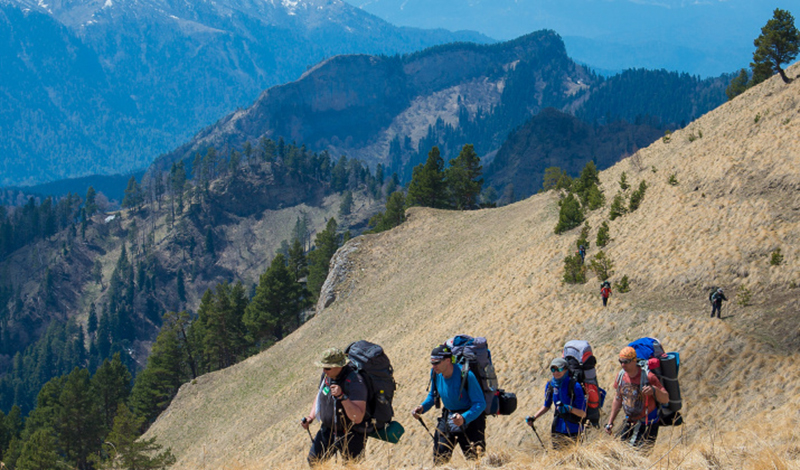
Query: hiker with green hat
[
  {"x": 462, "y": 420},
  {"x": 570, "y": 406},
  {"x": 340, "y": 405}
]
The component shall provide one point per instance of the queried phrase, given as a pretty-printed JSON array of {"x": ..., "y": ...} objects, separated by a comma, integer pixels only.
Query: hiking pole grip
[{"x": 304, "y": 421}]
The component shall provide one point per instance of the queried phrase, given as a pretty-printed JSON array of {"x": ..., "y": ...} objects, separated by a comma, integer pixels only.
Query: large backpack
[
  {"x": 651, "y": 357},
  {"x": 372, "y": 363},
  {"x": 581, "y": 364},
  {"x": 472, "y": 354}
]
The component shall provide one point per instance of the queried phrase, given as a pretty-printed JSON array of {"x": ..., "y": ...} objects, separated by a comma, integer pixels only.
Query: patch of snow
[
  {"x": 110, "y": 218},
  {"x": 108, "y": 4}
]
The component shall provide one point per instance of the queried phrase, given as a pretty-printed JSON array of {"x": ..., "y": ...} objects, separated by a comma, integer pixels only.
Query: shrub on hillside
[
  {"x": 623, "y": 285},
  {"x": 623, "y": 181},
  {"x": 570, "y": 215},
  {"x": 602, "y": 266},
  {"x": 617, "y": 207},
  {"x": 602, "y": 235},
  {"x": 584, "y": 238},
  {"x": 744, "y": 296},
  {"x": 672, "y": 180},
  {"x": 777, "y": 257},
  {"x": 574, "y": 270},
  {"x": 637, "y": 197}
]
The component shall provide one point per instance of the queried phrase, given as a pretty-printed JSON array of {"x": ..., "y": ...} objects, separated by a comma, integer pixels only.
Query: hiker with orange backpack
[
  {"x": 638, "y": 395},
  {"x": 570, "y": 406},
  {"x": 605, "y": 292}
]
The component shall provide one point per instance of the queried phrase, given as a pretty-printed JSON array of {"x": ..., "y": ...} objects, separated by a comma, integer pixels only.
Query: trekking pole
[
  {"x": 304, "y": 421},
  {"x": 419, "y": 418},
  {"x": 529, "y": 420}
]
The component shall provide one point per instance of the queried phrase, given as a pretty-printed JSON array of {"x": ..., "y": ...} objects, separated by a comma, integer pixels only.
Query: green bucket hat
[{"x": 332, "y": 357}]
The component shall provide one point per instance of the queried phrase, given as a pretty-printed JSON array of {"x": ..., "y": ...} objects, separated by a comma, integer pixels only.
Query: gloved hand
[
  {"x": 564, "y": 409},
  {"x": 529, "y": 420}
]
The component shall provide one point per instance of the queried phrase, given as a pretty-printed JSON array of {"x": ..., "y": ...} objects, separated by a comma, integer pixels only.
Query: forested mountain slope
[
  {"x": 722, "y": 197},
  {"x": 78, "y": 284},
  {"x": 392, "y": 110},
  {"x": 95, "y": 86}
]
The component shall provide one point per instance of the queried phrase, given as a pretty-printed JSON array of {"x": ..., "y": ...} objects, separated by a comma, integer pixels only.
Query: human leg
[
  {"x": 353, "y": 445},
  {"x": 443, "y": 445},
  {"x": 322, "y": 447},
  {"x": 473, "y": 440}
]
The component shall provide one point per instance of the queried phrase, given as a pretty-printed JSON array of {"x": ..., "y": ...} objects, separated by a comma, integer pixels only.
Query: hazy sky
[{"x": 705, "y": 37}]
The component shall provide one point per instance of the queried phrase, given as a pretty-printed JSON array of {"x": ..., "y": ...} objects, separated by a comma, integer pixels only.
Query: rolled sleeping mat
[{"x": 669, "y": 377}]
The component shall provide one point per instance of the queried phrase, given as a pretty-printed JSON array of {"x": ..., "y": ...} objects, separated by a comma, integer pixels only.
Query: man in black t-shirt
[{"x": 340, "y": 405}]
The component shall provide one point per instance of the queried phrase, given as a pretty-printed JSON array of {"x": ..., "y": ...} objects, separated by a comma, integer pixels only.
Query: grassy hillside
[{"x": 498, "y": 272}]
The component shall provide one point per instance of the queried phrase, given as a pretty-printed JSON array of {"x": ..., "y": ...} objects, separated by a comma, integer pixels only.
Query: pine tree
[
  {"x": 427, "y": 187},
  {"x": 78, "y": 427},
  {"x": 40, "y": 452},
  {"x": 133, "y": 194},
  {"x": 326, "y": 242},
  {"x": 91, "y": 202},
  {"x": 778, "y": 43},
  {"x": 274, "y": 310},
  {"x": 463, "y": 180},
  {"x": 298, "y": 264},
  {"x": 738, "y": 85},
  {"x": 130, "y": 452},
  {"x": 111, "y": 385},
  {"x": 570, "y": 215}
]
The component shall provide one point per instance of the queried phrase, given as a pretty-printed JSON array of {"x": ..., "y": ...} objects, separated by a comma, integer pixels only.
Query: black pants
[
  {"x": 639, "y": 434},
  {"x": 716, "y": 309},
  {"x": 472, "y": 439},
  {"x": 605, "y": 301},
  {"x": 327, "y": 442}
]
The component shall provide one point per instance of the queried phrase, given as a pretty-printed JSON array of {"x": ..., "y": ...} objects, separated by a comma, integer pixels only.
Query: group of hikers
[{"x": 341, "y": 405}]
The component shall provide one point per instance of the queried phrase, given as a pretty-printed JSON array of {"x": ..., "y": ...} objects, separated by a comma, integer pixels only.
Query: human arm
[
  {"x": 312, "y": 414},
  {"x": 655, "y": 389},
  {"x": 476, "y": 400},
  {"x": 429, "y": 400},
  {"x": 354, "y": 409},
  {"x": 616, "y": 406}
]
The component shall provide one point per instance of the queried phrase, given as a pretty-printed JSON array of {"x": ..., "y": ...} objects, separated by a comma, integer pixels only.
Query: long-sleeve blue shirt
[
  {"x": 561, "y": 393},
  {"x": 471, "y": 399}
]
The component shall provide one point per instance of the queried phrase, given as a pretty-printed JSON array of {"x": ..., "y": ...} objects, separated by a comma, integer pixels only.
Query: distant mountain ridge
[
  {"x": 392, "y": 110},
  {"x": 105, "y": 86}
]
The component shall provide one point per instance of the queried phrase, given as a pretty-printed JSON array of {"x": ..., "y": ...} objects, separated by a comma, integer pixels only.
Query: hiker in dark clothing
[
  {"x": 605, "y": 292},
  {"x": 570, "y": 406},
  {"x": 638, "y": 395},
  {"x": 582, "y": 252},
  {"x": 716, "y": 303},
  {"x": 341, "y": 404},
  {"x": 462, "y": 419}
]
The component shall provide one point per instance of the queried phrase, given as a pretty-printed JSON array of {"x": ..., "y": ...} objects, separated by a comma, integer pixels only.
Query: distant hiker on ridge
[
  {"x": 570, "y": 406},
  {"x": 341, "y": 404},
  {"x": 605, "y": 292},
  {"x": 462, "y": 419},
  {"x": 637, "y": 395},
  {"x": 716, "y": 303},
  {"x": 582, "y": 252}
]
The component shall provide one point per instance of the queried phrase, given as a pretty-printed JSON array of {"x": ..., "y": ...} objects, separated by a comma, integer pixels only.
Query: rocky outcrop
[{"x": 342, "y": 264}]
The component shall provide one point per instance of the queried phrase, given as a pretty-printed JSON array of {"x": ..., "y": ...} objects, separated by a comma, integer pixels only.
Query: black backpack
[{"x": 371, "y": 362}]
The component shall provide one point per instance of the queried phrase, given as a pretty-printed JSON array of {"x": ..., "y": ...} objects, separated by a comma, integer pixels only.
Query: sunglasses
[
  {"x": 326, "y": 368},
  {"x": 625, "y": 361},
  {"x": 557, "y": 369},
  {"x": 436, "y": 363}
]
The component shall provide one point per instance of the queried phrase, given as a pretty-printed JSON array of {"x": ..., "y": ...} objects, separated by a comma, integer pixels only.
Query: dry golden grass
[{"x": 498, "y": 273}]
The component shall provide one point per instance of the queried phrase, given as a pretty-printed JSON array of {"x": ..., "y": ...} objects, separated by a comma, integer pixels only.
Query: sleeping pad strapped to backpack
[
  {"x": 651, "y": 357},
  {"x": 581, "y": 363},
  {"x": 374, "y": 367},
  {"x": 472, "y": 354}
]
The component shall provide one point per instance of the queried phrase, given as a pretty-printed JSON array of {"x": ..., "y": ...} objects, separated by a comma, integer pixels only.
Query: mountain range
[
  {"x": 95, "y": 86},
  {"x": 706, "y": 38},
  {"x": 392, "y": 110}
]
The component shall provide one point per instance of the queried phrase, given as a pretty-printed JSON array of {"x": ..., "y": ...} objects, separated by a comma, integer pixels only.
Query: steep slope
[
  {"x": 498, "y": 273},
  {"x": 141, "y": 76}
]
